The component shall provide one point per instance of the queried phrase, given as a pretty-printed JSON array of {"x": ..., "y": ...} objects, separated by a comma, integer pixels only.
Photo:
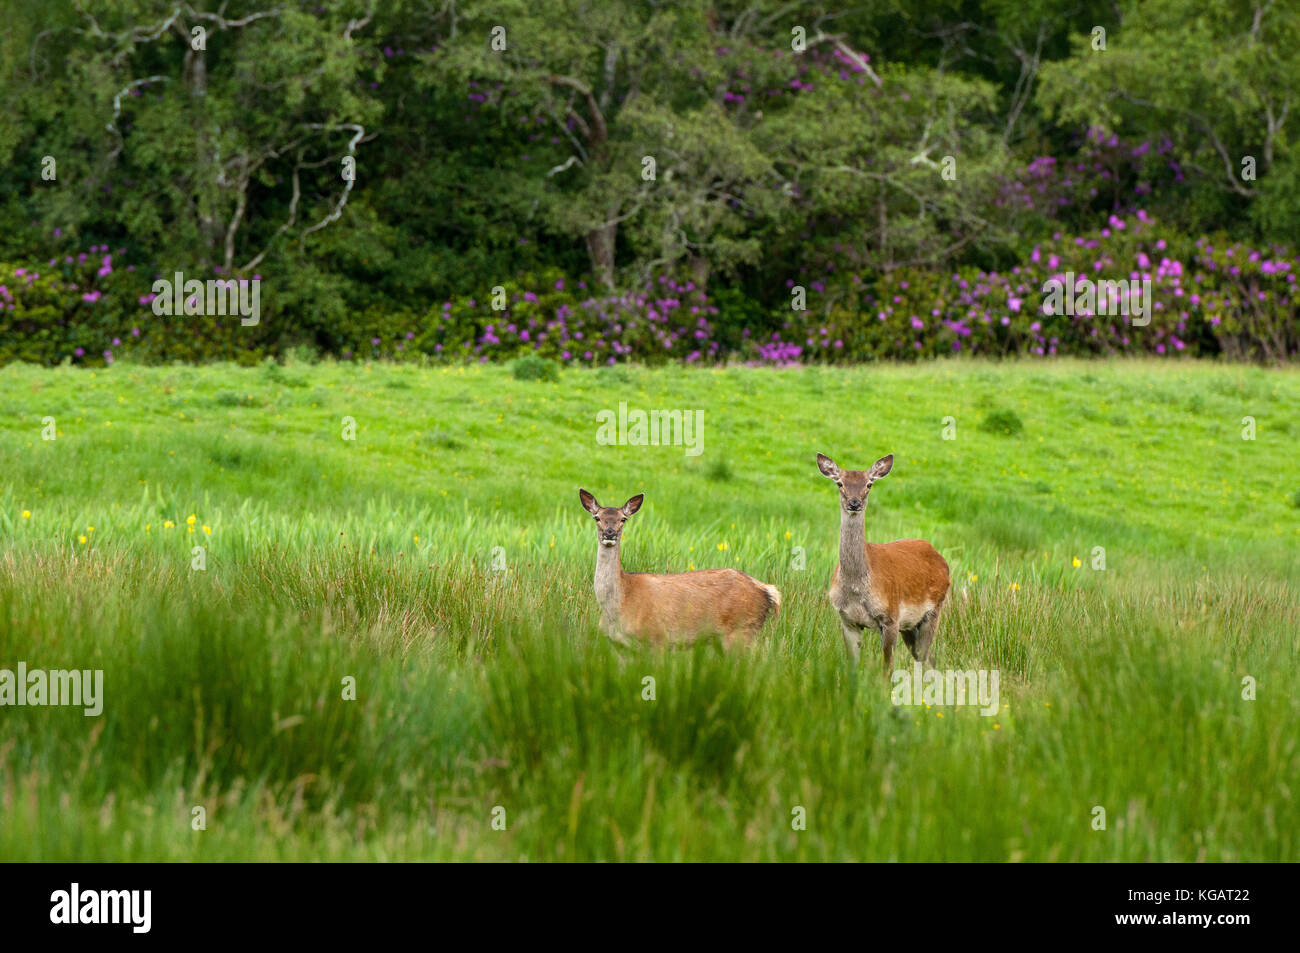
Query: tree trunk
[
  {"x": 207, "y": 172},
  {"x": 600, "y": 247},
  {"x": 700, "y": 271}
]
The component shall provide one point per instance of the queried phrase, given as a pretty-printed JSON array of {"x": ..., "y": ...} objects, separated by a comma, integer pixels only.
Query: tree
[
  {"x": 1219, "y": 80},
  {"x": 214, "y": 134}
]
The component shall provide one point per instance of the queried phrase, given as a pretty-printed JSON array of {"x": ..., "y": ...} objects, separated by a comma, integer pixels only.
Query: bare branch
[
  {"x": 560, "y": 168},
  {"x": 359, "y": 24},
  {"x": 358, "y": 132},
  {"x": 117, "y": 107},
  {"x": 599, "y": 133},
  {"x": 136, "y": 35},
  {"x": 838, "y": 42},
  {"x": 287, "y": 224}
]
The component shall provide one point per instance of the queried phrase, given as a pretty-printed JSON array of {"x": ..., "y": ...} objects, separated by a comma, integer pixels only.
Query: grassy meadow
[{"x": 442, "y": 560}]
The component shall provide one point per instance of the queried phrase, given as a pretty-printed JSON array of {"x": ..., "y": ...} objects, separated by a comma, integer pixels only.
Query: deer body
[
  {"x": 668, "y": 608},
  {"x": 895, "y": 588}
]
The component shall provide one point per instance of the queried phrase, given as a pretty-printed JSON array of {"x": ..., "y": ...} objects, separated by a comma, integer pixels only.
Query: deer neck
[
  {"x": 609, "y": 579},
  {"x": 853, "y": 547}
]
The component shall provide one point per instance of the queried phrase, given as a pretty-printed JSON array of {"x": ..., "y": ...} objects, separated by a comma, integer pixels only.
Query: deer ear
[
  {"x": 828, "y": 467},
  {"x": 589, "y": 502},
  {"x": 881, "y": 467},
  {"x": 634, "y": 504}
]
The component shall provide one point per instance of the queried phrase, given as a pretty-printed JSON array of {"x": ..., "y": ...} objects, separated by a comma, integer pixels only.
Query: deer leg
[
  {"x": 909, "y": 639},
  {"x": 888, "y": 639},
  {"x": 852, "y": 641},
  {"x": 611, "y": 629},
  {"x": 738, "y": 639},
  {"x": 925, "y": 633},
  {"x": 751, "y": 635}
]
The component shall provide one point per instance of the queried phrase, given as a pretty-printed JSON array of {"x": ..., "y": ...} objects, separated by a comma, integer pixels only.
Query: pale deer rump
[{"x": 661, "y": 607}]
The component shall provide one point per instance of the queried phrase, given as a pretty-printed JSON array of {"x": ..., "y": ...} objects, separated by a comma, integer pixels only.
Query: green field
[{"x": 442, "y": 560}]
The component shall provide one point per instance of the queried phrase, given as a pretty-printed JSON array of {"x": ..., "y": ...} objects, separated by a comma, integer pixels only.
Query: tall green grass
[{"x": 443, "y": 562}]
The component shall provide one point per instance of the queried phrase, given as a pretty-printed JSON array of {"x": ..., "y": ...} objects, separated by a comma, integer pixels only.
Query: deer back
[{"x": 664, "y": 606}]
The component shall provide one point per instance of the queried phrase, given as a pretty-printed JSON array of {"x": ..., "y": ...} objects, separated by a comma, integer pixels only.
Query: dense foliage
[{"x": 599, "y": 181}]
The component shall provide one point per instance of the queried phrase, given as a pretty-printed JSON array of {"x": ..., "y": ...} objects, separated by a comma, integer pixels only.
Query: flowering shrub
[
  {"x": 71, "y": 307},
  {"x": 554, "y": 317},
  {"x": 1207, "y": 297},
  {"x": 89, "y": 308},
  {"x": 1104, "y": 173}
]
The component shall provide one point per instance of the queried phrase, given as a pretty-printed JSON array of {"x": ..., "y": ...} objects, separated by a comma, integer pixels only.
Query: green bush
[
  {"x": 532, "y": 367},
  {"x": 1005, "y": 422}
]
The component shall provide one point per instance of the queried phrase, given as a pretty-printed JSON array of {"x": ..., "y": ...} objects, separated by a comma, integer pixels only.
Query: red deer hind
[
  {"x": 671, "y": 607},
  {"x": 894, "y": 588}
]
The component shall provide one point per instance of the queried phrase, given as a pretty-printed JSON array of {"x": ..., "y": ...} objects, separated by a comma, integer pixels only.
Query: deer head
[
  {"x": 610, "y": 519},
  {"x": 854, "y": 484}
]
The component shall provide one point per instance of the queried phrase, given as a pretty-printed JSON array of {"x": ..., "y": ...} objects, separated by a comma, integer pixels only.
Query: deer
[
  {"x": 894, "y": 588},
  {"x": 671, "y": 608}
]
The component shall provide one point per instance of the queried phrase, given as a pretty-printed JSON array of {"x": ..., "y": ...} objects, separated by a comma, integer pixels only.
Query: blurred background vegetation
[{"x": 646, "y": 181}]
